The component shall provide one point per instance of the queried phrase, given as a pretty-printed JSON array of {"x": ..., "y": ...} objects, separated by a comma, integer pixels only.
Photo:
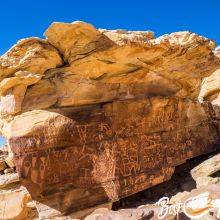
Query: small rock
[
  {"x": 9, "y": 160},
  {"x": 178, "y": 197},
  {"x": 204, "y": 173},
  {"x": 128, "y": 214},
  {"x": 2, "y": 165},
  {"x": 8, "y": 170},
  {"x": 211, "y": 191},
  {"x": 7, "y": 179},
  {"x": 14, "y": 202}
]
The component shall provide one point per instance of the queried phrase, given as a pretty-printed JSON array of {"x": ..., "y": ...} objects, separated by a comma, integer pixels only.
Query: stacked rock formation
[
  {"x": 92, "y": 116},
  {"x": 15, "y": 201}
]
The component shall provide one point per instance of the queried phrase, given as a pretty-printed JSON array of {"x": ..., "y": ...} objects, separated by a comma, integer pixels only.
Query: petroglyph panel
[{"x": 113, "y": 150}]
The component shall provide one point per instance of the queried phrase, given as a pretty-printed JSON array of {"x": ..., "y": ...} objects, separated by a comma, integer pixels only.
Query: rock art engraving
[{"x": 93, "y": 116}]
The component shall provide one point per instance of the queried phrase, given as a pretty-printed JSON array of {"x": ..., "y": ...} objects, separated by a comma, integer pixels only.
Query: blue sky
[{"x": 25, "y": 18}]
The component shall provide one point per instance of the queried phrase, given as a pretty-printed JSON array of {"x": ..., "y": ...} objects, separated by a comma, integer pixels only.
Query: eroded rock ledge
[{"x": 92, "y": 115}]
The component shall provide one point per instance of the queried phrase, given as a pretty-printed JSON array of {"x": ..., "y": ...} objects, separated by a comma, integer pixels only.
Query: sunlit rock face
[
  {"x": 80, "y": 65},
  {"x": 95, "y": 115}
]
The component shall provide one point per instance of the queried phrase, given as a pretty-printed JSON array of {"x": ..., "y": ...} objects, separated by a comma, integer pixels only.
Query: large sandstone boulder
[{"x": 92, "y": 115}]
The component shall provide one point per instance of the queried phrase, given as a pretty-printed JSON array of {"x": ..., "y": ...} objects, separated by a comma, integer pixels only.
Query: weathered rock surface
[
  {"x": 7, "y": 179},
  {"x": 206, "y": 207},
  {"x": 2, "y": 165},
  {"x": 129, "y": 214},
  {"x": 15, "y": 200},
  {"x": 211, "y": 192},
  {"x": 210, "y": 89},
  {"x": 13, "y": 204},
  {"x": 123, "y": 37},
  {"x": 107, "y": 152},
  {"x": 204, "y": 200},
  {"x": 22, "y": 66},
  {"x": 207, "y": 172},
  {"x": 100, "y": 68},
  {"x": 94, "y": 115},
  {"x": 33, "y": 55}
]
